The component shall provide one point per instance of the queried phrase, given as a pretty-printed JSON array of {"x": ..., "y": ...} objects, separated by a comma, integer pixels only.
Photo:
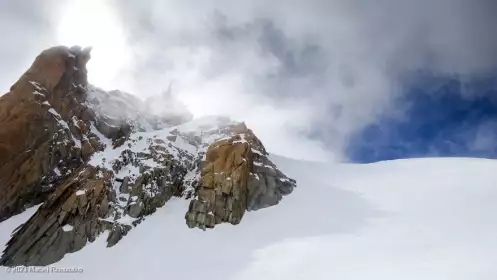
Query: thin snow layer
[
  {"x": 67, "y": 228},
  {"x": 80, "y": 192},
  {"x": 140, "y": 141},
  {"x": 430, "y": 219}
]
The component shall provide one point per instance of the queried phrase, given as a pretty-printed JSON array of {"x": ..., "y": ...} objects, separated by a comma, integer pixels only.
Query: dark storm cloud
[
  {"x": 337, "y": 63},
  {"x": 305, "y": 74}
]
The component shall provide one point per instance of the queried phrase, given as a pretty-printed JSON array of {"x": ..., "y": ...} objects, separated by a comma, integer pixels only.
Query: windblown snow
[{"x": 406, "y": 219}]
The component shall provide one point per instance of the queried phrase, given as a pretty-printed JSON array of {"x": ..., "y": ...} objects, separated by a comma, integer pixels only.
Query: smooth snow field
[{"x": 418, "y": 219}]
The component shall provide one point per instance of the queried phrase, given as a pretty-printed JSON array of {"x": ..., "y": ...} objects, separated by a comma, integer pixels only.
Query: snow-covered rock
[
  {"x": 111, "y": 161},
  {"x": 412, "y": 219}
]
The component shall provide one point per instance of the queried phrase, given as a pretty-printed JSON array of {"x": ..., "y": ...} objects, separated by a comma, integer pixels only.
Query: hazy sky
[{"x": 305, "y": 75}]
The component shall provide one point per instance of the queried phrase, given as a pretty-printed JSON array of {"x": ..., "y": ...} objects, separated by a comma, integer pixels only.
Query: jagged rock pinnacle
[{"x": 101, "y": 161}]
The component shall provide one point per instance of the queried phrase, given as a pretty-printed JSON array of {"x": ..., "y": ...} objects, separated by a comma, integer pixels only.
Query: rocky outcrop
[
  {"x": 44, "y": 127},
  {"x": 99, "y": 162},
  {"x": 114, "y": 197},
  {"x": 94, "y": 200},
  {"x": 236, "y": 176},
  {"x": 98, "y": 199},
  {"x": 67, "y": 220}
]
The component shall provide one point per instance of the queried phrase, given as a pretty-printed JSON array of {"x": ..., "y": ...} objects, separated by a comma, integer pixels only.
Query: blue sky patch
[{"x": 444, "y": 116}]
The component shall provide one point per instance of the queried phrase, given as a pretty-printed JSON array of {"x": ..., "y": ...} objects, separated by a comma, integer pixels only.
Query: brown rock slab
[{"x": 236, "y": 176}]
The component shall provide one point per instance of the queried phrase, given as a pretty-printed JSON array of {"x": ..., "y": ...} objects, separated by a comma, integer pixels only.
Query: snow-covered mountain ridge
[
  {"x": 101, "y": 162},
  {"x": 82, "y": 169}
]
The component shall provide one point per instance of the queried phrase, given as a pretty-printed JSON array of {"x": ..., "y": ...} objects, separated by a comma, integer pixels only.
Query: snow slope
[{"x": 405, "y": 219}]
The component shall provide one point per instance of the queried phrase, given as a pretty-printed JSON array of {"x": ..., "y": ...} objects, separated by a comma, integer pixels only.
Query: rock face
[
  {"x": 100, "y": 162},
  {"x": 236, "y": 176},
  {"x": 64, "y": 223},
  {"x": 44, "y": 122}
]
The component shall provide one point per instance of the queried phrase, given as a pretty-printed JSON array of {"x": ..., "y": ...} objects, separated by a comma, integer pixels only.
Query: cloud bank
[{"x": 305, "y": 75}]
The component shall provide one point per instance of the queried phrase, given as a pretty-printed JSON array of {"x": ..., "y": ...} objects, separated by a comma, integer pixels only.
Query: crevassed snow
[{"x": 430, "y": 219}]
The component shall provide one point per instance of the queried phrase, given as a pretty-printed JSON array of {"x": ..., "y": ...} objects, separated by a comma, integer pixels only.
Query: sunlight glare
[{"x": 94, "y": 23}]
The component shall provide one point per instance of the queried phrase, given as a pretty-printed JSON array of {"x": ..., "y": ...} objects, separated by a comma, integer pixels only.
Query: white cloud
[
  {"x": 94, "y": 23},
  {"x": 301, "y": 73}
]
